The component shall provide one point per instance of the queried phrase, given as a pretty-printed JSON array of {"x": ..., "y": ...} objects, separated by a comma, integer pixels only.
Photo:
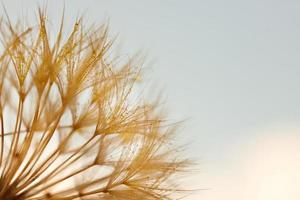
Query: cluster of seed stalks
[{"x": 70, "y": 128}]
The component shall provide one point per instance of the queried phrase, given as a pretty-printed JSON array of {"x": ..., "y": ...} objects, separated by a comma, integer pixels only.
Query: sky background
[{"x": 231, "y": 69}]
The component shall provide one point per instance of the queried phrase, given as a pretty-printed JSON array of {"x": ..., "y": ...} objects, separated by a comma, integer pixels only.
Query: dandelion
[{"x": 70, "y": 128}]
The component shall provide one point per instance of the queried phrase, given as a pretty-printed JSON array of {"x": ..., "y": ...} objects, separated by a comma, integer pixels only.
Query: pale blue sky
[{"x": 230, "y": 67}]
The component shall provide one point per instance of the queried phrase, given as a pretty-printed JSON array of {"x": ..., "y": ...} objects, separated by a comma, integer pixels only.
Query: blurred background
[{"x": 230, "y": 69}]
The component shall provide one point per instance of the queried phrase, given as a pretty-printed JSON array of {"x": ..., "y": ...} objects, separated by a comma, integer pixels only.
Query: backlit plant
[{"x": 71, "y": 125}]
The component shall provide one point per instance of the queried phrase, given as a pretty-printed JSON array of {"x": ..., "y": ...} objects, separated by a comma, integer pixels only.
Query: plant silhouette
[{"x": 70, "y": 125}]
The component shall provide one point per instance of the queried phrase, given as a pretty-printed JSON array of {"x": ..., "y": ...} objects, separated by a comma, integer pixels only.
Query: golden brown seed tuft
[{"x": 70, "y": 128}]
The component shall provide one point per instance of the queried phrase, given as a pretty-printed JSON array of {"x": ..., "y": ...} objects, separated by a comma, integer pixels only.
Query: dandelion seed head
[{"x": 69, "y": 126}]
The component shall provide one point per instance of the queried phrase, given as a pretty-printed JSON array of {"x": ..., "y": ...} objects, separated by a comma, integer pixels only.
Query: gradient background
[{"x": 231, "y": 68}]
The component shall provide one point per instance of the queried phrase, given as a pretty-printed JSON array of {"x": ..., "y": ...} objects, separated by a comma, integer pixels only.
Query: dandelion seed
[{"x": 68, "y": 127}]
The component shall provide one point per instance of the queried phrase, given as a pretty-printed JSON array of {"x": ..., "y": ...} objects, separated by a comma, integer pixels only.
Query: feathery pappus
[{"x": 69, "y": 127}]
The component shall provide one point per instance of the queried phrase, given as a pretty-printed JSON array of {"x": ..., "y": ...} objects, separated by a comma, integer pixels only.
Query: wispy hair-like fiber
[{"x": 70, "y": 128}]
